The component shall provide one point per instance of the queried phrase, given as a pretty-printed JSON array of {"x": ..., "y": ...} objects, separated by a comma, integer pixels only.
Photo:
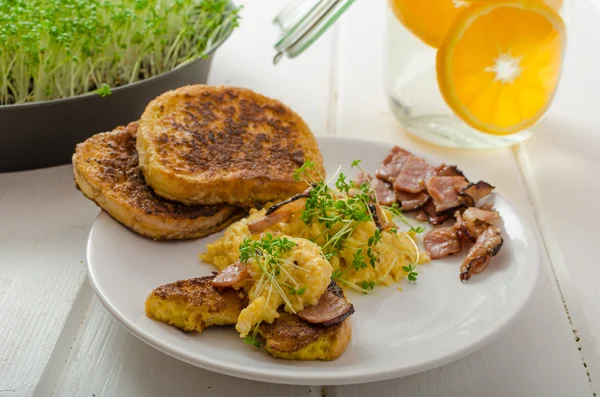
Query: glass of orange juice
[{"x": 474, "y": 74}]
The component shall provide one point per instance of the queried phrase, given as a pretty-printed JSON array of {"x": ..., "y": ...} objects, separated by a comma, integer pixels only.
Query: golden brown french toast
[
  {"x": 205, "y": 145},
  {"x": 106, "y": 171},
  {"x": 195, "y": 304},
  {"x": 292, "y": 338}
]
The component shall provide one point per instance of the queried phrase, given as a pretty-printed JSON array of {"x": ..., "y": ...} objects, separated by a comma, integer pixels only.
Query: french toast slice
[
  {"x": 292, "y": 338},
  {"x": 106, "y": 171},
  {"x": 204, "y": 145},
  {"x": 195, "y": 304}
]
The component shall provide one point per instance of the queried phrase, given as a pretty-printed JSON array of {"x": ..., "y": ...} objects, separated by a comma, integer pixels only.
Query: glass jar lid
[{"x": 302, "y": 22}]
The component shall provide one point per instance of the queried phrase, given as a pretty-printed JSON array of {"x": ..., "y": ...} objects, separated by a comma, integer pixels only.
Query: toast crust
[
  {"x": 106, "y": 171},
  {"x": 204, "y": 145},
  {"x": 195, "y": 304},
  {"x": 292, "y": 338}
]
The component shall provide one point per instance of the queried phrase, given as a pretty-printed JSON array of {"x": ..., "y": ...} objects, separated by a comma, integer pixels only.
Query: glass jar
[
  {"x": 474, "y": 74},
  {"x": 412, "y": 76}
]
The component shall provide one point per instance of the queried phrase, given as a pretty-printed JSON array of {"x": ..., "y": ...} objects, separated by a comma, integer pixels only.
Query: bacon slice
[
  {"x": 488, "y": 244},
  {"x": 473, "y": 192},
  {"x": 444, "y": 190},
  {"x": 442, "y": 242},
  {"x": 383, "y": 190},
  {"x": 392, "y": 164},
  {"x": 422, "y": 216},
  {"x": 473, "y": 214},
  {"x": 231, "y": 275},
  {"x": 414, "y": 175},
  {"x": 433, "y": 216},
  {"x": 379, "y": 218},
  {"x": 473, "y": 222},
  {"x": 283, "y": 212},
  {"x": 412, "y": 201},
  {"x": 449, "y": 170},
  {"x": 332, "y": 307}
]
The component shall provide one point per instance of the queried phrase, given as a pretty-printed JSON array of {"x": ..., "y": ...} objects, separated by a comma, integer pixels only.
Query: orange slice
[
  {"x": 499, "y": 65},
  {"x": 430, "y": 20}
]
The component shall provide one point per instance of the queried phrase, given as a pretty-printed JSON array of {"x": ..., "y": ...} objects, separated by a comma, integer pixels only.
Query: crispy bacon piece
[
  {"x": 473, "y": 222},
  {"x": 392, "y": 164},
  {"x": 414, "y": 175},
  {"x": 231, "y": 275},
  {"x": 434, "y": 217},
  {"x": 488, "y": 244},
  {"x": 442, "y": 242},
  {"x": 281, "y": 213},
  {"x": 379, "y": 218},
  {"x": 449, "y": 170},
  {"x": 412, "y": 201},
  {"x": 444, "y": 190},
  {"x": 296, "y": 197},
  {"x": 422, "y": 216},
  {"x": 332, "y": 307},
  {"x": 473, "y": 192},
  {"x": 383, "y": 190},
  {"x": 473, "y": 214}
]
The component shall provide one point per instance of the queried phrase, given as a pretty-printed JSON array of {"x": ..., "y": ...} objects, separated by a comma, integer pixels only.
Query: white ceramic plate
[{"x": 395, "y": 333}]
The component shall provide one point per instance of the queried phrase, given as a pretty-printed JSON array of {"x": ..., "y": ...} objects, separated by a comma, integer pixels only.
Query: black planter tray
[{"x": 35, "y": 135}]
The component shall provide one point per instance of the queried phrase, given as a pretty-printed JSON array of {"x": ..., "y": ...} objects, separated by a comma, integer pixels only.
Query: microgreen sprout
[
  {"x": 53, "y": 49},
  {"x": 297, "y": 291},
  {"x": 411, "y": 274},
  {"x": 268, "y": 253},
  {"x": 104, "y": 90},
  {"x": 251, "y": 339},
  {"x": 341, "y": 211},
  {"x": 418, "y": 229},
  {"x": 368, "y": 285}
]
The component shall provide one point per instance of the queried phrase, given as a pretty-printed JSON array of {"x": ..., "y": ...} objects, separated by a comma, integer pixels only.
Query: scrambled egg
[
  {"x": 303, "y": 275},
  {"x": 393, "y": 251}
]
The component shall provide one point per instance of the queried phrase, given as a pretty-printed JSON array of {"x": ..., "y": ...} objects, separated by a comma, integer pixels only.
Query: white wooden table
[{"x": 56, "y": 339}]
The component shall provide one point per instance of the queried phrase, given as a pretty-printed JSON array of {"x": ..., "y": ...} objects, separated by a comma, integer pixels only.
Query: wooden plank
[
  {"x": 561, "y": 159},
  {"x": 108, "y": 361},
  {"x": 538, "y": 355},
  {"x": 44, "y": 222}
]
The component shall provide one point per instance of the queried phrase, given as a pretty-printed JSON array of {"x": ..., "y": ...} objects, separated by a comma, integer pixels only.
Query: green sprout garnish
[
  {"x": 268, "y": 254},
  {"x": 297, "y": 291},
  {"x": 337, "y": 275},
  {"x": 358, "y": 261},
  {"x": 341, "y": 211},
  {"x": 368, "y": 285},
  {"x": 412, "y": 275},
  {"x": 251, "y": 338},
  {"x": 104, "y": 90}
]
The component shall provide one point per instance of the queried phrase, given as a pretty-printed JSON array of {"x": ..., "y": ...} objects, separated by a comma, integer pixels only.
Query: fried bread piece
[
  {"x": 292, "y": 338},
  {"x": 204, "y": 145},
  {"x": 106, "y": 171},
  {"x": 195, "y": 304}
]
